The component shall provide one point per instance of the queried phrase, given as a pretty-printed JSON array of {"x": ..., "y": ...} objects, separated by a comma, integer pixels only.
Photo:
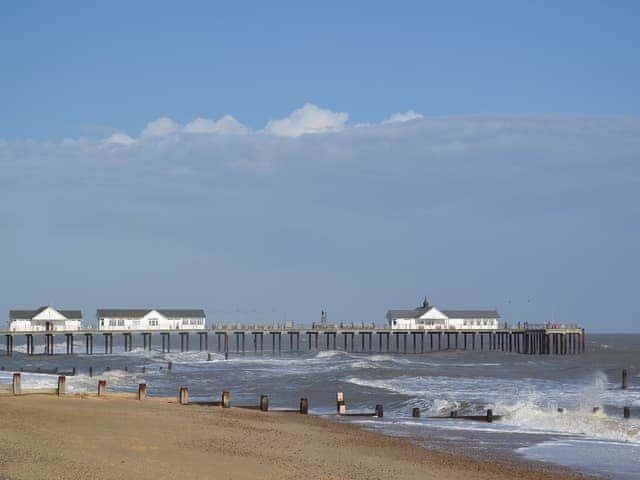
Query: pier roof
[
  {"x": 139, "y": 313},
  {"x": 418, "y": 312},
  {"x": 471, "y": 313},
  {"x": 29, "y": 314},
  {"x": 414, "y": 313}
]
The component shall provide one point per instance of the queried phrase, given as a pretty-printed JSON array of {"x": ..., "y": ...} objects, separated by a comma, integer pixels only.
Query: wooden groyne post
[
  {"x": 264, "y": 403},
  {"x": 184, "y": 396},
  {"x": 379, "y": 411},
  {"x": 62, "y": 385},
  {"x": 489, "y": 415},
  {"x": 415, "y": 412},
  {"x": 341, "y": 406},
  {"x": 102, "y": 387},
  {"x": 304, "y": 406},
  {"x": 17, "y": 384},
  {"x": 226, "y": 399},
  {"x": 626, "y": 412},
  {"x": 142, "y": 391},
  {"x": 625, "y": 379}
]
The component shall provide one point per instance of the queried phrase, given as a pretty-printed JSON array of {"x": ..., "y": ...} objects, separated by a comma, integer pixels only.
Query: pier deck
[{"x": 529, "y": 340}]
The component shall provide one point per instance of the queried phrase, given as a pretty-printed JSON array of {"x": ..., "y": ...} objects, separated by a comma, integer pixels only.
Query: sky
[{"x": 267, "y": 161}]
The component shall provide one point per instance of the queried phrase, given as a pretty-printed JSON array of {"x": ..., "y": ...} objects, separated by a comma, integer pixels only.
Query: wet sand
[{"x": 114, "y": 437}]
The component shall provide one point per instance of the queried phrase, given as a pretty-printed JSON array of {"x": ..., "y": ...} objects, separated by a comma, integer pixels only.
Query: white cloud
[
  {"x": 119, "y": 138},
  {"x": 227, "y": 125},
  {"x": 403, "y": 117},
  {"x": 307, "y": 119},
  {"x": 161, "y": 127}
]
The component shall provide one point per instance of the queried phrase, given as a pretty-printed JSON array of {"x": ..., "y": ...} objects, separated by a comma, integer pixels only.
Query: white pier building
[
  {"x": 428, "y": 317},
  {"x": 45, "y": 319},
  {"x": 150, "y": 319}
]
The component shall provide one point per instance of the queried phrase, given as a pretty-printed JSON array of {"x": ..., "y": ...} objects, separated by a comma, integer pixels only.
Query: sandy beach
[{"x": 113, "y": 437}]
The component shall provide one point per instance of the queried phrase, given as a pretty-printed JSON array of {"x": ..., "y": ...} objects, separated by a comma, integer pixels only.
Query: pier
[{"x": 532, "y": 340}]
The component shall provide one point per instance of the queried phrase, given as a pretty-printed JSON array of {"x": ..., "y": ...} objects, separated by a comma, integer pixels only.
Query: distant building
[
  {"x": 428, "y": 317},
  {"x": 150, "y": 319},
  {"x": 45, "y": 319}
]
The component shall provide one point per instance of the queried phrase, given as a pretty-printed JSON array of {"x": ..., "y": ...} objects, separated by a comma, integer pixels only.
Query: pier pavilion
[
  {"x": 428, "y": 317},
  {"x": 45, "y": 319}
]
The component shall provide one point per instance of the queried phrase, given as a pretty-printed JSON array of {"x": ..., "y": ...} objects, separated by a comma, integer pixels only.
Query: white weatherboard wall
[{"x": 152, "y": 320}]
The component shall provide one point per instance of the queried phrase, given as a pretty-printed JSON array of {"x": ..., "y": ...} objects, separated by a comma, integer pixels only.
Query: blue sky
[
  {"x": 266, "y": 162},
  {"x": 68, "y": 67}
]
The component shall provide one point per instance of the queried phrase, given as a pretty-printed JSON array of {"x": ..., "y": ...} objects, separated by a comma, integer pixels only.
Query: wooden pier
[{"x": 543, "y": 340}]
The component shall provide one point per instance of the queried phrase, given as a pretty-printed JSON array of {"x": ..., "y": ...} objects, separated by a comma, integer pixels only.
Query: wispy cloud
[
  {"x": 226, "y": 125},
  {"x": 119, "y": 138},
  {"x": 403, "y": 117},
  {"x": 160, "y": 127},
  {"x": 307, "y": 119}
]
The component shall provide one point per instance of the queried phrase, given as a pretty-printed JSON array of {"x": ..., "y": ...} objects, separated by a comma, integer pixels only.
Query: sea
[{"x": 561, "y": 410}]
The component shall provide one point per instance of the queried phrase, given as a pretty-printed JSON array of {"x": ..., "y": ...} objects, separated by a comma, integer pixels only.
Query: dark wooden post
[
  {"x": 62, "y": 383},
  {"x": 226, "y": 399},
  {"x": 415, "y": 412},
  {"x": 102, "y": 387},
  {"x": 379, "y": 411},
  {"x": 184, "y": 396},
  {"x": 17, "y": 384},
  {"x": 626, "y": 412},
  {"x": 142, "y": 391},
  {"x": 625, "y": 381},
  {"x": 341, "y": 406},
  {"x": 264, "y": 403},
  {"x": 489, "y": 415},
  {"x": 304, "y": 406}
]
